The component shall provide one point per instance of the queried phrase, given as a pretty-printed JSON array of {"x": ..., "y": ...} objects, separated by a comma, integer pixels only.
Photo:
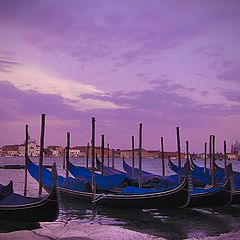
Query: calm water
[{"x": 175, "y": 224}]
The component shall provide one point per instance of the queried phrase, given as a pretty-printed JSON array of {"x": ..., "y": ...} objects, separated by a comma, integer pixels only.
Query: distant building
[
  {"x": 33, "y": 149},
  {"x": 0, "y": 151},
  {"x": 74, "y": 152},
  {"x": 19, "y": 150},
  {"x": 232, "y": 156},
  {"x": 10, "y": 150},
  {"x": 81, "y": 151},
  {"x": 128, "y": 153},
  {"x": 235, "y": 148},
  {"x": 154, "y": 154},
  {"x": 55, "y": 151},
  {"x": 149, "y": 154}
]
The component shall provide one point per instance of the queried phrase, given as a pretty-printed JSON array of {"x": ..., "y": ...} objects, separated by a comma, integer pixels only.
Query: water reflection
[
  {"x": 169, "y": 224},
  {"x": 174, "y": 224}
]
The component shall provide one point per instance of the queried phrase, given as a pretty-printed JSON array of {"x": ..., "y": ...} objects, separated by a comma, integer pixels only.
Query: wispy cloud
[
  {"x": 160, "y": 62},
  {"x": 43, "y": 82},
  {"x": 232, "y": 75},
  {"x": 7, "y": 61}
]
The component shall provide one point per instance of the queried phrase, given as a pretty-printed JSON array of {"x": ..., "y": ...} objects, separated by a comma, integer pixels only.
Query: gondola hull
[
  {"x": 221, "y": 197},
  {"x": 42, "y": 210},
  {"x": 17, "y": 208},
  {"x": 174, "y": 198},
  {"x": 234, "y": 180},
  {"x": 235, "y": 197}
]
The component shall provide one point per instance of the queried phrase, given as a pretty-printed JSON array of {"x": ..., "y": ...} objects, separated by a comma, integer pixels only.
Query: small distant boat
[{"x": 17, "y": 208}]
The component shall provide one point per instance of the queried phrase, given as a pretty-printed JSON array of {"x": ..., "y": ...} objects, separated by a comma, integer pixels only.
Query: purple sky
[{"x": 162, "y": 63}]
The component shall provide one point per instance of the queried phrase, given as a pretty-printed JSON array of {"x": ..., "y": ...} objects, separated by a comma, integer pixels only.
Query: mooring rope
[{"x": 99, "y": 197}]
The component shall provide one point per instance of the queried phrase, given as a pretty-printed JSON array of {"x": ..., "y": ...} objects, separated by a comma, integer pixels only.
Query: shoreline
[{"x": 93, "y": 231}]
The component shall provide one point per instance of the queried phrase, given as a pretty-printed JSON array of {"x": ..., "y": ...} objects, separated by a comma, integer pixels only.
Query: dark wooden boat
[
  {"x": 200, "y": 178},
  {"x": 200, "y": 197},
  {"x": 219, "y": 170},
  {"x": 103, "y": 182},
  {"x": 198, "y": 181},
  {"x": 213, "y": 197},
  {"x": 18, "y": 208},
  {"x": 107, "y": 170},
  {"x": 168, "y": 198},
  {"x": 234, "y": 179},
  {"x": 6, "y": 190}
]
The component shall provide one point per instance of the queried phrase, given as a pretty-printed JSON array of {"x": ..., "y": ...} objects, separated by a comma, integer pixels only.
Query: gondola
[
  {"x": 213, "y": 197},
  {"x": 235, "y": 181},
  {"x": 103, "y": 182},
  {"x": 198, "y": 181},
  {"x": 220, "y": 179},
  {"x": 200, "y": 197},
  {"x": 198, "y": 175},
  {"x": 17, "y": 208},
  {"x": 74, "y": 188},
  {"x": 219, "y": 170},
  {"x": 151, "y": 182},
  {"x": 147, "y": 176},
  {"x": 6, "y": 190},
  {"x": 107, "y": 170}
]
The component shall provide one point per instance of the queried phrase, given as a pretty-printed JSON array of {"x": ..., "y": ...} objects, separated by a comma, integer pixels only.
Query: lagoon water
[{"x": 170, "y": 224}]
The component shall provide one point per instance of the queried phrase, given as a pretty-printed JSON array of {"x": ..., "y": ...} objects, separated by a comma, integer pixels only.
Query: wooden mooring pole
[
  {"x": 179, "y": 156},
  {"x": 205, "y": 157},
  {"x": 87, "y": 155},
  {"x": 26, "y": 161},
  {"x": 67, "y": 154},
  {"x": 41, "y": 154},
  {"x": 140, "y": 155},
  {"x": 108, "y": 155},
  {"x": 187, "y": 150},
  {"x": 163, "y": 160},
  {"x": 133, "y": 156},
  {"x": 93, "y": 161},
  {"x": 113, "y": 158},
  {"x": 64, "y": 158},
  {"x": 210, "y": 154},
  {"x": 102, "y": 154},
  {"x": 225, "y": 154},
  {"x": 213, "y": 161}
]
